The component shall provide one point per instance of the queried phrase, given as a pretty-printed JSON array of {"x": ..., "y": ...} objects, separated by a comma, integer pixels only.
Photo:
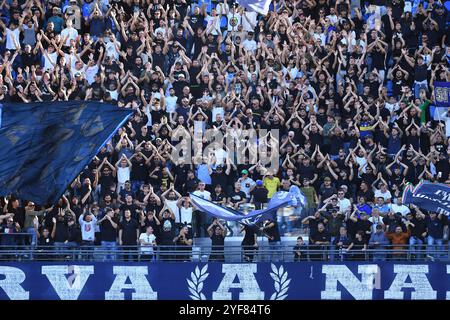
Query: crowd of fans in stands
[{"x": 347, "y": 84}]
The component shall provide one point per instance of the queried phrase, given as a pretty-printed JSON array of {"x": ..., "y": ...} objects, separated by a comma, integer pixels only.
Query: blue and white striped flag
[{"x": 260, "y": 6}]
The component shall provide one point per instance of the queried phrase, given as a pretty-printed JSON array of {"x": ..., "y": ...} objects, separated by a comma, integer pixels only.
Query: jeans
[
  {"x": 199, "y": 224},
  {"x": 377, "y": 255},
  {"x": 285, "y": 224},
  {"x": 87, "y": 247},
  {"x": 109, "y": 246},
  {"x": 59, "y": 247},
  {"x": 147, "y": 256},
  {"x": 414, "y": 244},
  {"x": 332, "y": 249},
  {"x": 33, "y": 235},
  {"x": 72, "y": 246},
  {"x": 433, "y": 245},
  {"x": 128, "y": 252},
  {"x": 274, "y": 248}
]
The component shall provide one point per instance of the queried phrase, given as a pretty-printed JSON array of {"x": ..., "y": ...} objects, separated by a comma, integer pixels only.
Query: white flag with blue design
[{"x": 260, "y": 6}]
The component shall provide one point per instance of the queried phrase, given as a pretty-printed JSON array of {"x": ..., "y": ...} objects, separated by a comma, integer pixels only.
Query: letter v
[{"x": 68, "y": 289}]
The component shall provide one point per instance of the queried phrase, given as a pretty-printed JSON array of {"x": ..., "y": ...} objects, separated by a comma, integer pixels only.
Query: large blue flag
[
  {"x": 433, "y": 197},
  {"x": 44, "y": 146}
]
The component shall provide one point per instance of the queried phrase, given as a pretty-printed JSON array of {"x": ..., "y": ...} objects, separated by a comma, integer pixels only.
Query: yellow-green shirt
[{"x": 271, "y": 185}]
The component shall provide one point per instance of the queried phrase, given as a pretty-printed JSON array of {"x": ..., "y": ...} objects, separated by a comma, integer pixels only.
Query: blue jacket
[{"x": 380, "y": 238}]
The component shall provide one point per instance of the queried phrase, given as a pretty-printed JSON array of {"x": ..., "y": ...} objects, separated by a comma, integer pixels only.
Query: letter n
[{"x": 359, "y": 289}]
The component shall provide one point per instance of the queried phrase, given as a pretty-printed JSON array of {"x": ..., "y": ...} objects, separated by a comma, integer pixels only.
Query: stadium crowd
[{"x": 347, "y": 84}]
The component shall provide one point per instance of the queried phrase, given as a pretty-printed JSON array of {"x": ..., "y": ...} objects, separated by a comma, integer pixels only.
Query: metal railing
[{"x": 233, "y": 253}]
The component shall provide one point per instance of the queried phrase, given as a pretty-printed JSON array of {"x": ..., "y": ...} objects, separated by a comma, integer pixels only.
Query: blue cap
[{"x": 259, "y": 182}]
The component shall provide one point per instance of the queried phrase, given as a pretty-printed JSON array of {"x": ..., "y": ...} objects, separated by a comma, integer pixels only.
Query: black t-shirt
[
  {"x": 217, "y": 241},
  {"x": 139, "y": 170},
  {"x": 106, "y": 182},
  {"x": 108, "y": 232},
  {"x": 190, "y": 185},
  {"x": 153, "y": 206},
  {"x": 260, "y": 195},
  {"x": 419, "y": 228},
  {"x": 129, "y": 228},
  {"x": 313, "y": 225},
  {"x": 167, "y": 231},
  {"x": 273, "y": 232},
  {"x": 249, "y": 238},
  {"x": 364, "y": 225},
  {"x": 151, "y": 223},
  {"x": 307, "y": 171},
  {"x": 236, "y": 197},
  {"x": 132, "y": 208},
  {"x": 217, "y": 197},
  {"x": 219, "y": 178},
  {"x": 358, "y": 244},
  {"x": 62, "y": 231},
  {"x": 45, "y": 242},
  {"x": 19, "y": 215},
  {"x": 302, "y": 256},
  {"x": 321, "y": 237}
]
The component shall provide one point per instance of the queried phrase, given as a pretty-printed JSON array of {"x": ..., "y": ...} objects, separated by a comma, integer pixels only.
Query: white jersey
[
  {"x": 385, "y": 195},
  {"x": 91, "y": 71},
  {"x": 171, "y": 104},
  {"x": 186, "y": 215},
  {"x": 50, "y": 60},
  {"x": 71, "y": 33},
  {"x": 234, "y": 20},
  {"x": 12, "y": 36},
  {"x": 111, "y": 51},
  {"x": 149, "y": 238},
  {"x": 87, "y": 228},
  {"x": 344, "y": 204},
  {"x": 246, "y": 185},
  {"x": 404, "y": 210},
  {"x": 213, "y": 24},
  {"x": 203, "y": 194},
  {"x": 123, "y": 174}
]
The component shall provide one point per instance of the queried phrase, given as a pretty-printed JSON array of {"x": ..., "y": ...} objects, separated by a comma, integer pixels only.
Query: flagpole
[{"x": 233, "y": 36}]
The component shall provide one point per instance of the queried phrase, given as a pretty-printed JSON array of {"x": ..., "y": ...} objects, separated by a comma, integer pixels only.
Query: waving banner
[
  {"x": 44, "y": 146},
  {"x": 429, "y": 196},
  {"x": 260, "y": 6},
  {"x": 279, "y": 200}
]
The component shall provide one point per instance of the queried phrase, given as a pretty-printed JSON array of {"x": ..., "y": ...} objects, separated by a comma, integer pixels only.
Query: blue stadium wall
[{"x": 224, "y": 281}]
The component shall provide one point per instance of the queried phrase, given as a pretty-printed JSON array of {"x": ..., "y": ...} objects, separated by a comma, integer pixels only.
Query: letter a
[
  {"x": 139, "y": 283},
  {"x": 246, "y": 281},
  {"x": 419, "y": 282}
]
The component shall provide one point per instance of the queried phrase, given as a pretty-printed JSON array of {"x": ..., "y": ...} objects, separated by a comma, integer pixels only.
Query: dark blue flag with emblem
[{"x": 44, "y": 146}]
